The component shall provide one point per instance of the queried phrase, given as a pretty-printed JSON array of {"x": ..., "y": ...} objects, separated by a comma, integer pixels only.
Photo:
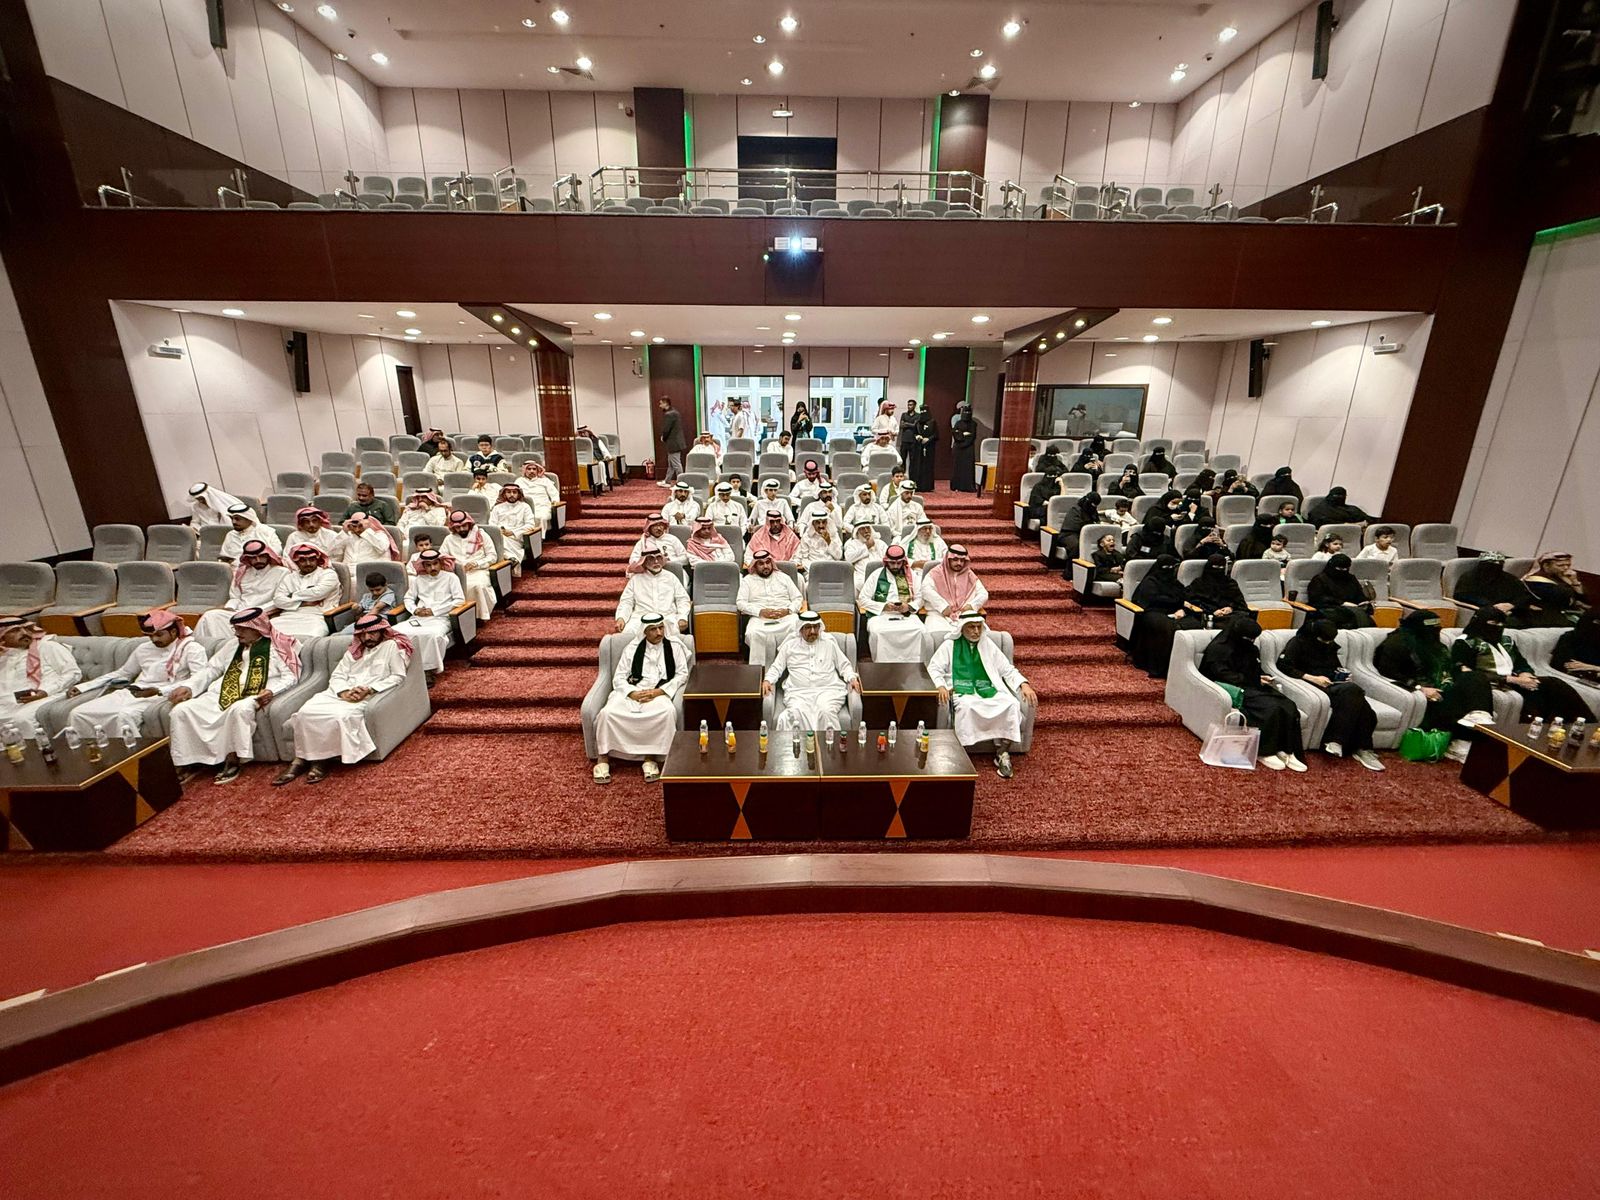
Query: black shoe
[
  {"x": 290, "y": 773},
  {"x": 229, "y": 772}
]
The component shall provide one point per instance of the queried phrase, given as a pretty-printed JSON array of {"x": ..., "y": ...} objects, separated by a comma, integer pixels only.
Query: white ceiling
[
  {"x": 1067, "y": 50},
  {"x": 734, "y": 325}
]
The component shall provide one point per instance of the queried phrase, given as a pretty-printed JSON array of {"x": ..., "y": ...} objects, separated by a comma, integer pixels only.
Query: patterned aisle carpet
[{"x": 499, "y": 768}]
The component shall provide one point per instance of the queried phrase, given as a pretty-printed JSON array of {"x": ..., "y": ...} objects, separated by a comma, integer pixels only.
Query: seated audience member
[
  {"x": 653, "y": 590},
  {"x": 423, "y": 508},
  {"x": 724, "y": 509},
  {"x": 1557, "y": 592},
  {"x": 819, "y": 676},
  {"x": 865, "y": 508},
  {"x": 304, "y": 592},
  {"x": 1282, "y": 484},
  {"x": 169, "y": 665},
  {"x": 246, "y": 527},
  {"x": 809, "y": 485},
  {"x": 923, "y": 545},
  {"x": 655, "y": 534},
  {"x": 1210, "y": 542},
  {"x": 1037, "y": 506},
  {"x": 1233, "y": 660},
  {"x": 640, "y": 717},
  {"x": 429, "y": 442},
  {"x": 432, "y": 597},
  {"x": 681, "y": 507},
  {"x": 1050, "y": 462},
  {"x": 906, "y": 511},
  {"x": 1485, "y": 584},
  {"x": 480, "y": 485},
  {"x": 602, "y": 457},
  {"x": 1235, "y": 484},
  {"x": 1415, "y": 657},
  {"x": 864, "y": 549},
  {"x": 1106, "y": 577},
  {"x": 312, "y": 527},
  {"x": 1215, "y": 595},
  {"x": 1327, "y": 548},
  {"x": 1289, "y": 513},
  {"x": 1278, "y": 550},
  {"x": 1159, "y": 461},
  {"x": 364, "y": 541},
  {"x": 1338, "y": 596},
  {"x": 735, "y": 482},
  {"x": 209, "y": 505},
  {"x": 421, "y": 544},
  {"x": 782, "y": 444},
  {"x": 708, "y": 545},
  {"x": 445, "y": 461},
  {"x": 891, "y": 596},
  {"x": 1164, "y": 609},
  {"x": 1335, "y": 509},
  {"x": 1127, "y": 484},
  {"x": 486, "y": 458},
  {"x": 255, "y": 583},
  {"x": 1121, "y": 515},
  {"x": 985, "y": 690},
  {"x": 513, "y": 516},
  {"x": 1084, "y": 511},
  {"x": 376, "y": 596},
  {"x": 774, "y": 536},
  {"x": 1150, "y": 540},
  {"x": 1483, "y": 647},
  {"x": 1258, "y": 538},
  {"x": 333, "y": 723},
  {"x": 34, "y": 668},
  {"x": 1312, "y": 656},
  {"x": 1206, "y": 483},
  {"x": 1382, "y": 549},
  {"x": 770, "y": 499},
  {"x": 890, "y": 491},
  {"x": 473, "y": 551},
  {"x": 772, "y": 602},
  {"x": 825, "y": 498},
  {"x": 369, "y": 504},
  {"x": 218, "y": 725},
  {"x": 709, "y": 443},
  {"x": 882, "y": 445},
  {"x": 1577, "y": 652},
  {"x": 949, "y": 590},
  {"x": 542, "y": 491},
  {"x": 821, "y": 541},
  {"x": 1091, "y": 461}
]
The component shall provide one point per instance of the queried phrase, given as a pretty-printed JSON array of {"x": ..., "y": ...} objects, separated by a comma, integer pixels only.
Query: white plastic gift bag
[{"x": 1231, "y": 743}]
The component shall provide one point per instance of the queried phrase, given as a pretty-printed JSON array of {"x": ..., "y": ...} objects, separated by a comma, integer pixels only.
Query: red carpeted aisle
[
  {"x": 840, "y": 1057},
  {"x": 499, "y": 769}
]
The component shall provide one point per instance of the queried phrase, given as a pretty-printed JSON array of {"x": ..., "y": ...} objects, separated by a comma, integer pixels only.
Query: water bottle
[
  {"x": 1558, "y": 733},
  {"x": 130, "y": 739},
  {"x": 811, "y": 742},
  {"x": 69, "y": 735},
  {"x": 46, "y": 748},
  {"x": 763, "y": 737},
  {"x": 705, "y": 737},
  {"x": 1575, "y": 731},
  {"x": 13, "y": 742},
  {"x": 794, "y": 742},
  {"x": 100, "y": 738},
  {"x": 894, "y": 732},
  {"x": 827, "y": 738},
  {"x": 922, "y": 736},
  {"x": 1535, "y": 729},
  {"x": 861, "y": 734},
  {"x": 727, "y": 736}
]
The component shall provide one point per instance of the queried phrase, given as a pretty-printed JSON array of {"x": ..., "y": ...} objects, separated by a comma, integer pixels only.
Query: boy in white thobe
[
  {"x": 772, "y": 602},
  {"x": 304, "y": 593},
  {"x": 882, "y": 445},
  {"x": 892, "y": 595},
  {"x": 255, "y": 583},
  {"x": 170, "y": 663},
  {"x": 890, "y": 492},
  {"x": 333, "y": 724},
  {"x": 903, "y": 515},
  {"x": 219, "y": 724},
  {"x": 542, "y": 491},
  {"x": 434, "y": 595},
  {"x": 820, "y": 676},
  {"x": 246, "y": 528},
  {"x": 640, "y": 717},
  {"x": 949, "y": 590},
  {"x": 473, "y": 551},
  {"x": 513, "y": 516},
  {"x": 770, "y": 499},
  {"x": 653, "y": 590},
  {"x": 34, "y": 669},
  {"x": 986, "y": 689},
  {"x": 725, "y": 510}
]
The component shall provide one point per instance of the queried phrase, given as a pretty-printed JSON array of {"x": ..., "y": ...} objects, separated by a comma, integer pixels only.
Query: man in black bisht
[
  {"x": 924, "y": 443},
  {"x": 964, "y": 447}
]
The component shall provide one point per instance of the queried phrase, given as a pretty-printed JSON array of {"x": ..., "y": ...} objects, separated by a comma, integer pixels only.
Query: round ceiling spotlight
[
  {"x": 980, "y": 319},
  {"x": 1320, "y": 324},
  {"x": 788, "y": 24},
  {"x": 560, "y": 16},
  {"x": 760, "y": 39},
  {"x": 987, "y": 71},
  {"x": 404, "y": 312},
  {"x": 791, "y": 316},
  {"x": 1011, "y": 29},
  {"x": 379, "y": 57},
  {"x": 746, "y": 82},
  {"x": 1151, "y": 337},
  {"x": 1161, "y": 320},
  {"x": 975, "y": 53},
  {"x": 775, "y": 67},
  {"x": 529, "y": 23},
  {"x": 636, "y": 333},
  {"x": 602, "y": 316},
  {"x": 584, "y": 63},
  {"x": 233, "y": 312}
]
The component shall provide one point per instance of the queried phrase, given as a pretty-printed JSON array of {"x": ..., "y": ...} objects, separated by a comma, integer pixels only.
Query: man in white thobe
[
  {"x": 819, "y": 678},
  {"x": 34, "y": 669},
  {"x": 312, "y": 528},
  {"x": 865, "y": 550},
  {"x": 949, "y": 590},
  {"x": 247, "y": 527},
  {"x": 255, "y": 582},
  {"x": 218, "y": 726},
  {"x": 906, "y": 511},
  {"x": 891, "y": 595},
  {"x": 333, "y": 723},
  {"x": 738, "y": 419},
  {"x": 924, "y": 545},
  {"x": 365, "y": 540},
  {"x": 772, "y": 602},
  {"x": 882, "y": 445},
  {"x": 770, "y": 499},
  {"x": 473, "y": 551},
  {"x": 724, "y": 509},
  {"x": 432, "y": 599},
  {"x": 641, "y": 717},
  {"x": 304, "y": 593},
  {"x": 209, "y": 505},
  {"x": 681, "y": 507},
  {"x": 986, "y": 690},
  {"x": 810, "y": 485},
  {"x": 653, "y": 590},
  {"x": 820, "y": 542},
  {"x": 169, "y": 665},
  {"x": 655, "y": 534},
  {"x": 542, "y": 491},
  {"x": 885, "y": 421},
  {"x": 513, "y": 516},
  {"x": 423, "y": 508},
  {"x": 866, "y": 508},
  {"x": 445, "y": 461}
]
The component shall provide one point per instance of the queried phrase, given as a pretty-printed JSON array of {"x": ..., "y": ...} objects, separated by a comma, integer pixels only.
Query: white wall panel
[
  {"x": 1128, "y": 143},
  {"x": 515, "y": 398},
  {"x": 251, "y": 89},
  {"x": 474, "y": 382},
  {"x": 148, "y": 74},
  {"x": 75, "y": 46},
  {"x": 436, "y": 389},
  {"x": 398, "y": 107},
  {"x": 1409, "y": 46},
  {"x": 532, "y": 144},
  {"x": 633, "y": 407},
  {"x": 1002, "y": 157},
  {"x": 1088, "y": 130},
  {"x": 716, "y": 134},
  {"x": 1467, "y": 64},
  {"x": 1044, "y": 138},
  {"x": 594, "y": 389},
  {"x": 206, "y": 97},
  {"x": 577, "y": 144},
  {"x": 444, "y": 148},
  {"x": 290, "y": 103},
  {"x": 615, "y": 140},
  {"x": 901, "y": 141}
]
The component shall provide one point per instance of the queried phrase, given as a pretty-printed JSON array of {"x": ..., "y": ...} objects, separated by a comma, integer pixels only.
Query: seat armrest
[
  {"x": 1083, "y": 562},
  {"x": 1129, "y": 605},
  {"x": 1048, "y": 529},
  {"x": 79, "y": 614}
]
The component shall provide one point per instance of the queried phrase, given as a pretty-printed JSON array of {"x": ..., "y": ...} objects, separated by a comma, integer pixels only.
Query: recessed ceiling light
[
  {"x": 916, "y": 341},
  {"x": 285, "y": 7},
  {"x": 1161, "y": 320},
  {"x": 955, "y": 91},
  {"x": 1178, "y": 75},
  {"x": 602, "y": 316},
  {"x": 760, "y": 39},
  {"x": 584, "y": 63},
  {"x": 1228, "y": 34},
  {"x": 1320, "y": 324},
  {"x": 418, "y": 332},
  {"x": 759, "y": 345},
  {"x": 1060, "y": 336},
  {"x": 329, "y": 11},
  {"x": 763, "y": 328},
  {"x": 1011, "y": 29},
  {"x": 233, "y": 312},
  {"x": 533, "y": 341},
  {"x": 1135, "y": 103},
  {"x": 496, "y": 318},
  {"x": 404, "y": 312},
  {"x": 460, "y": 322},
  {"x": 341, "y": 56},
  {"x": 410, "y": 337},
  {"x": 529, "y": 22},
  {"x": 746, "y": 82},
  {"x": 1079, "y": 323},
  {"x": 788, "y": 24},
  {"x": 791, "y": 316},
  {"x": 569, "y": 322},
  {"x": 605, "y": 341},
  {"x": 1151, "y": 337},
  {"x": 1121, "y": 339},
  {"x": 367, "y": 316},
  {"x": 774, "y": 67},
  {"x": 987, "y": 71},
  {"x": 635, "y": 333},
  {"x": 658, "y": 340},
  {"x": 560, "y": 16},
  {"x": 554, "y": 70},
  {"x": 980, "y": 319},
  {"x": 975, "y": 53},
  {"x": 379, "y": 57},
  {"x": 1109, "y": 354},
  {"x": 758, "y": 350},
  {"x": 939, "y": 337}
]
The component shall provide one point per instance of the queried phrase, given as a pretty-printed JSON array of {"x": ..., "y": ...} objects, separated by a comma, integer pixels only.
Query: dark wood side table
[
  {"x": 901, "y": 793},
  {"x": 75, "y": 804},
  {"x": 719, "y": 692},
  {"x": 1557, "y": 789},
  {"x": 899, "y": 692},
  {"x": 718, "y": 796}
]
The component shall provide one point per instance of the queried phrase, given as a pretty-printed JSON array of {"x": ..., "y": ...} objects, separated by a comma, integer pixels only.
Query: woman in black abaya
[
  {"x": 1085, "y": 512},
  {"x": 963, "y": 450},
  {"x": 1215, "y": 595},
  {"x": 1484, "y": 647},
  {"x": 1151, "y": 540},
  {"x": 1335, "y": 509},
  {"x": 1259, "y": 539},
  {"x": 1232, "y": 659},
  {"x": 1128, "y": 484},
  {"x": 1415, "y": 657},
  {"x": 1282, "y": 484},
  {"x": 1338, "y": 596},
  {"x": 1312, "y": 656},
  {"x": 1161, "y": 597}
]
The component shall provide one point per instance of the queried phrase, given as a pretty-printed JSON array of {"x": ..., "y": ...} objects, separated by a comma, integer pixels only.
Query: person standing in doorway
[
  {"x": 924, "y": 444},
  {"x": 963, "y": 444},
  {"x": 907, "y": 435},
  {"x": 672, "y": 441}
]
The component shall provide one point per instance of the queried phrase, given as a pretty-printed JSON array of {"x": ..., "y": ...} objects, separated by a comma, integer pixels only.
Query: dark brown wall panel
[
  {"x": 671, "y": 375},
  {"x": 964, "y": 134},
  {"x": 658, "y": 128},
  {"x": 944, "y": 385}
]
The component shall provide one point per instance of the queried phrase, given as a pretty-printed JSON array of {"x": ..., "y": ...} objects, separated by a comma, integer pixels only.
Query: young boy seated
[
  {"x": 1278, "y": 552},
  {"x": 379, "y": 596},
  {"x": 1382, "y": 547}
]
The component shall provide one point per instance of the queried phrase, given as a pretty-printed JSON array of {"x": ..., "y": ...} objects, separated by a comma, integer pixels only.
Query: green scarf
[
  {"x": 968, "y": 675},
  {"x": 902, "y": 585},
  {"x": 255, "y": 678}
]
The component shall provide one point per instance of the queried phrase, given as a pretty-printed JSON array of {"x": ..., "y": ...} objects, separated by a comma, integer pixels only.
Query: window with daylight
[
  {"x": 843, "y": 402},
  {"x": 761, "y": 395}
]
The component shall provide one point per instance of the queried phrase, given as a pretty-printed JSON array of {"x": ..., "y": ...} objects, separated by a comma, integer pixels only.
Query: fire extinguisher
[{"x": 649, "y": 468}]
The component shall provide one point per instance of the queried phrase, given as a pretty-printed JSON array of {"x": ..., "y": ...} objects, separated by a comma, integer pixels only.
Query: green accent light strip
[
  {"x": 1561, "y": 233},
  {"x": 699, "y": 396},
  {"x": 922, "y": 374},
  {"x": 938, "y": 126},
  {"x": 688, "y": 149}
]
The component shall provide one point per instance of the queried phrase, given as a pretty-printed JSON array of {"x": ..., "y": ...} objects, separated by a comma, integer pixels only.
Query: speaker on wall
[
  {"x": 218, "y": 23},
  {"x": 299, "y": 361},
  {"x": 1258, "y": 367},
  {"x": 1326, "y": 24}
]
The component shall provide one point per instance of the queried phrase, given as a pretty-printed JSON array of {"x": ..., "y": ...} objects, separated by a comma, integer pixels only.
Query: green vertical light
[
  {"x": 699, "y": 399},
  {"x": 688, "y": 149},
  {"x": 938, "y": 126},
  {"x": 1560, "y": 233},
  {"x": 922, "y": 375}
]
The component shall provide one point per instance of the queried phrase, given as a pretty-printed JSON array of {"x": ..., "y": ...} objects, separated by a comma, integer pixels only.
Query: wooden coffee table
[
  {"x": 75, "y": 804},
  {"x": 1558, "y": 789},
  {"x": 899, "y": 692},
  {"x": 717, "y": 796},
  {"x": 719, "y": 692},
  {"x": 900, "y": 793}
]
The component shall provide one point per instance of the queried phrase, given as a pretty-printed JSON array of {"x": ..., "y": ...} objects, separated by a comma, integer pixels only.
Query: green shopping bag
[{"x": 1424, "y": 745}]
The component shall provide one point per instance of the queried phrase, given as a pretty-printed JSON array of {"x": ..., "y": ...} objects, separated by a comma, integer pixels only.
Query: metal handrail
[
  {"x": 355, "y": 200},
  {"x": 499, "y": 180},
  {"x": 125, "y": 191},
  {"x": 225, "y": 191},
  {"x": 613, "y": 184},
  {"x": 1013, "y": 198},
  {"x": 571, "y": 180},
  {"x": 1418, "y": 209}
]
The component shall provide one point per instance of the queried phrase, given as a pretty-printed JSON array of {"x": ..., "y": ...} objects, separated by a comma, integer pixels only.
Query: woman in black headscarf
[
  {"x": 1485, "y": 584},
  {"x": 1282, "y": 484},
  {"x": 1211, "y": 541},
  {"x": 1160, "y": 598},
  {"x": 1050, "y": 462},
  {"x": 1333, "y": 509},
  {"x": 1151, "y": 540},
  {"x": 1215, "y": 595},
  {"x": 1085, "y": 512},
  {"x": 924, "y": 448},
  {"x": 1312, "y": 656},
  {"x": 963, "y": 450},
  {"x": 1158, "y": 461},
  {"x": 1240, "y": 485},
  {"x": 800, "y": 422},
  {"x": 1098, "y": 444},
  {"x": 1484, "y": 648},
  {"x": 1233, "y": 660},
  {"x": 1415, "y": 657},
  {"x": 1180, "y": 509},
  {"x": 1577, "y": 652},
  {"x": 1338, "y": 596},
  {"x": 1206, "y": 481},
  {"x": 1127, "y": 484},
  {"x": 1259, "y": 539}
]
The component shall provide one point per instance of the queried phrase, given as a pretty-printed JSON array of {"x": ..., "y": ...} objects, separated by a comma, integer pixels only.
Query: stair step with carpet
[
  {"x": 1100, "y": 714},
  {"x": 503, "y": 686}
]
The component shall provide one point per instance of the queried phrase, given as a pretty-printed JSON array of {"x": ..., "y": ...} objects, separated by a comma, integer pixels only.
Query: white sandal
[{"x": 602, "y": 772}]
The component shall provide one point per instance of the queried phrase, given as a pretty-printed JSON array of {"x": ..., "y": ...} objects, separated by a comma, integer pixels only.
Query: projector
[
  {"x": 795, "y": 244},
  {"x": 1384, "y": 346},
  {"x": 165, "y": 350}
]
